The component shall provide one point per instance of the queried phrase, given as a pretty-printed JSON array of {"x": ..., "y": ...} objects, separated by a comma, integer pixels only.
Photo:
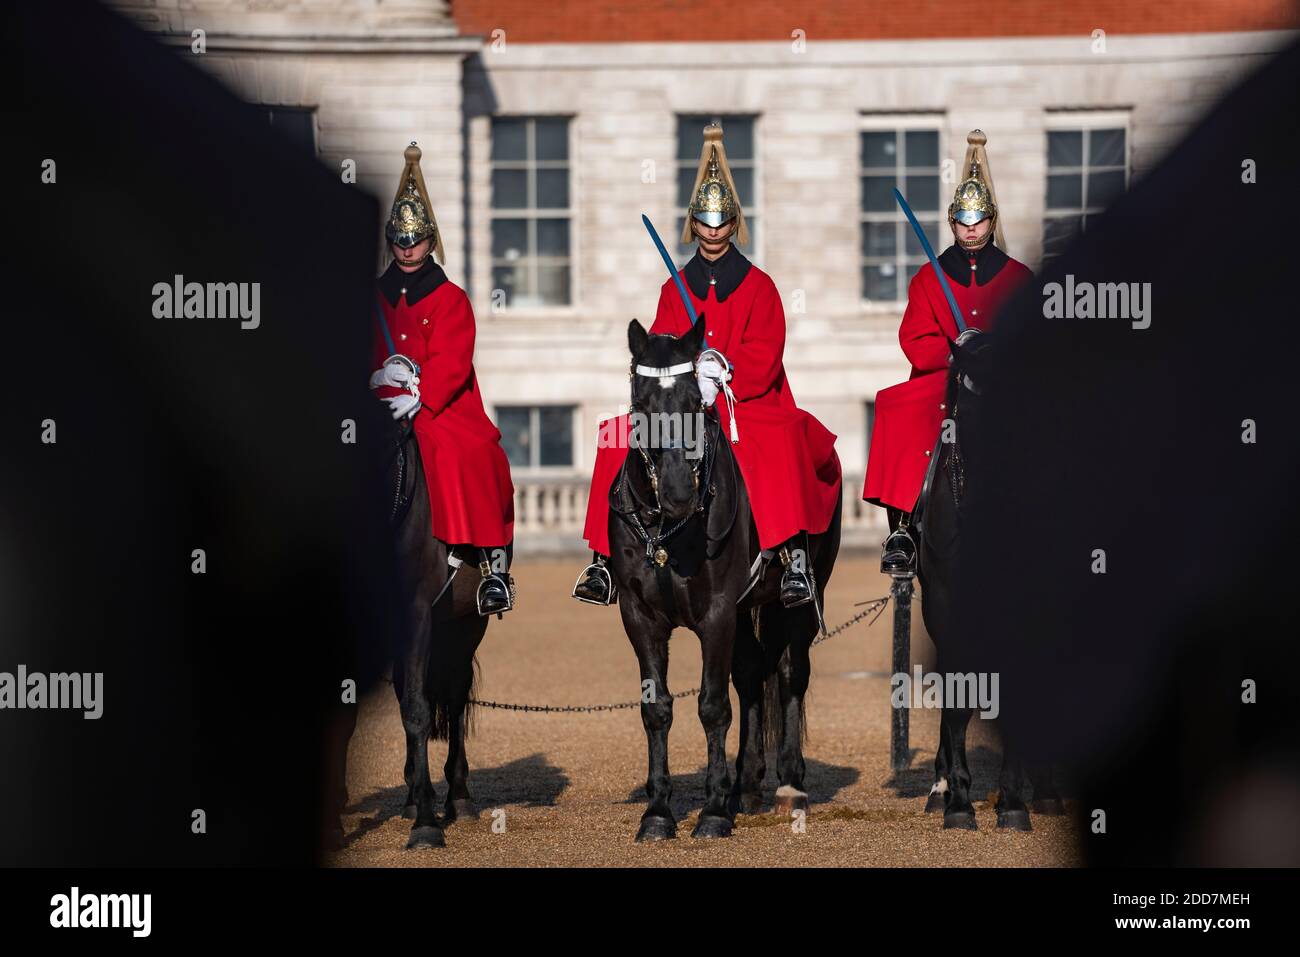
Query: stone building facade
[{"x": 548, "y": 129}]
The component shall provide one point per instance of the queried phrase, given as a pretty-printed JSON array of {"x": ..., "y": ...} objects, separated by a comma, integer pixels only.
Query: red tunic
[
  {"x": 466, "y": 470},
  {"x": 786, "y": 456},
  {"x": 908, "y": 415}
]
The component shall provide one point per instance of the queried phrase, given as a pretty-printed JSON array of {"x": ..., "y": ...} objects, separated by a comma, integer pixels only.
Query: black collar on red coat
[
  {"x": 989, "y": 261},
  {"x": 416, "y": 284},
  {"x": 729, "y": 269}
]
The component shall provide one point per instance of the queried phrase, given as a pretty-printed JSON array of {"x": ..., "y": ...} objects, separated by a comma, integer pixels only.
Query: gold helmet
[
  {"x": 974, "y": 199},
  {"x": 411, "y": 218},
  {"x": 714, "y": 199}
]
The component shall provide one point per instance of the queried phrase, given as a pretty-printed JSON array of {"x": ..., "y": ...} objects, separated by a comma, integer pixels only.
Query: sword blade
[{"x": 934, "y": 262}]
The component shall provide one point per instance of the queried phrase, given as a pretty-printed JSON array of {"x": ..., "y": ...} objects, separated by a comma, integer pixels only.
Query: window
[
  {"x": 738, "y": 140},
  {"x": 1087, "y": 168},
  {"x": 906, "y": 157},
  {"x": 295, "y": 124},
  {"x": 531, "y": 214},
  {"x": 537, "y": 436}
]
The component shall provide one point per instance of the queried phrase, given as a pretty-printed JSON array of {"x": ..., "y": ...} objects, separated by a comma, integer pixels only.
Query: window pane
[
  {"x": 878, "y": 194},
  {"x": 921, "y": 192},
  {"x": 552, "y": 189},
  {"x": 512, "y": 280},
  {"x": 552, "y": 138},
  {"x": 880, "y": 283},
  {"x": 1065, "y": 191},
  {"x": 509, "y": 238},
  {"x": 1057, "y": 233},
  {"x": 1104, "y": 188},
  {"x": 508, "y": 138},
  {"x": 744, "y": 180},
  {"x": 879, "y": 239},
  {"x": 509, "y": 188},
  {"x": 738, "y": 137},
  {"x": 931, "y": 227},
  {"x": 922, "y": 148},
  {"x": 1106, "y": 148},
  {"x": 516, "y": 435},
  {"x": 553, "y": 237},
  {"x": 556, "y": 429},
  {"x": 1064, "y": 148},
  {"x": 685, "y": 180},
  {"x": 880, "y": 149},
  {"x": 552, "y": 285}
]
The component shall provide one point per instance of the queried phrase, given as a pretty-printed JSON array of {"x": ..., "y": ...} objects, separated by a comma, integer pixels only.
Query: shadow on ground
[{"x": 821, "y": 780}]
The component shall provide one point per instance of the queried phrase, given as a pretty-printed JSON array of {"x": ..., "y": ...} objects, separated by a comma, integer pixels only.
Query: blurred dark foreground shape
[
  {"x": 1108, "y": 438},
  {"x": 175, "y": 435}
]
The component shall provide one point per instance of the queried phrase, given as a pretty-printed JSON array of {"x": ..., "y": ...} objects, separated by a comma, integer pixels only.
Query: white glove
[
  {"x": 710, "y": 374},
  {"x": 394, "y": 373},
  {"x": 403, "y": 406}
]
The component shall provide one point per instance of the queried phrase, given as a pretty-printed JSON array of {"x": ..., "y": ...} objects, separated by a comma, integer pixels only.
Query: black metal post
[{"x": 900, "y": 591}]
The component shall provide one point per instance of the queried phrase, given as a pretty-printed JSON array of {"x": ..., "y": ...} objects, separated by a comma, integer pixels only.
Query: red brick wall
[{"x": 613, "y": 21}]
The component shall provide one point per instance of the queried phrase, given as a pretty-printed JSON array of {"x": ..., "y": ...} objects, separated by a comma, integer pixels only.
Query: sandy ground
[{"x": 570, "y": 788}]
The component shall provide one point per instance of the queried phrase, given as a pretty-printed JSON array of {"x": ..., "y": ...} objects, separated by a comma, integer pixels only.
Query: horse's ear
[
  {"x": 637, "y": 337},
  {"x": 696, "y": 337}
]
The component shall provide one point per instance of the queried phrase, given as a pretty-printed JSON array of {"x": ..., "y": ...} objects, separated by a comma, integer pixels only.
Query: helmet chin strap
[{"x": 968, "y": 244}]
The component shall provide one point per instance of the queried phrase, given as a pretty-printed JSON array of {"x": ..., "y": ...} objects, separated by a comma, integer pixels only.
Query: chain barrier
[{"x": 875, "y": 608}]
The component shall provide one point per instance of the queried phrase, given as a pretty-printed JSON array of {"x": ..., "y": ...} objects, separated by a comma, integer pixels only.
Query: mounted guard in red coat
[
  {"x": 786, "y": 457},
  {"x": 909, "y": 416},
  {"x": 424, "y": 350}
]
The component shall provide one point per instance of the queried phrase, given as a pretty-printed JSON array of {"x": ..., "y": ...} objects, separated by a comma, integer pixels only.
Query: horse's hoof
[
  {"x": 426, "y": 837},
  {"x": 656, "y": 829},
  {"x": 963, "y": 820},
  {"x": 461, "y": 808},
  {"x": 1049, "y": 807},
  {"x": 934, "y": 802},
  {"x": 789, "y": 800},
  {"x": 1014, "y": 821},
  {"x": 712, "y": 827},
  {"x": 751, "y": 803},
  {"x": 409, "y": 812}
]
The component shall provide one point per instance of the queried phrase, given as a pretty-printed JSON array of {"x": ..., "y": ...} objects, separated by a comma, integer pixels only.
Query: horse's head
[{"x": 667, "y": 414}]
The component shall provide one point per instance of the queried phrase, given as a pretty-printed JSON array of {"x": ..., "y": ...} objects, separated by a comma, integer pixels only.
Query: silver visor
[
  {"x": 969, "y": 217},
  {"x": 711, "y": 218}
]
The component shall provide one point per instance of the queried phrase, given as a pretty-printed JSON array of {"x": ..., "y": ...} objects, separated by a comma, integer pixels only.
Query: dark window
[
  {"x": 906, "y": 159},
  {"x": 531, "y": 215},
  {"x": 537, "y": 436},
  {"x": 1086, "y": 169}
]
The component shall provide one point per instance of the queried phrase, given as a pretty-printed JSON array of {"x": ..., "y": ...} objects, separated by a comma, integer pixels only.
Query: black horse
[
  {"x": 683, "y": 542},
  {"x": 939, "y": 523},
  {"x": 434, "y": 668}
]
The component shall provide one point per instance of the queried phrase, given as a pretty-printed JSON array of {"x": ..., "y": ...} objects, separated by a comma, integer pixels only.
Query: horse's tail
[
  {"x": 773, "y": 713},
  {"x": 451, "y": 691}
]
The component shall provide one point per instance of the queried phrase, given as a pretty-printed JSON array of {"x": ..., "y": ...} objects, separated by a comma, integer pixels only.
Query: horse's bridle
[
  {"x": 402, "y": 499},
  {"x": 701, "y": 476}
]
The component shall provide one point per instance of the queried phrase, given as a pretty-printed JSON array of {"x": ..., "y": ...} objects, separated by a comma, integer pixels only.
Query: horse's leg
[
  {"x": 942, "y": 759},
  {"x": 717, "y": 646},
  {"x": 792, "y": 672},
  {"x": 469, "y": 632},
  {"x": 959, "y": 812},
  {"x": 747, "y": 674},
  {"x": 1047, "y": 798},
  {"x": 649, "y": 637},
  {"x": 1010, "y": 805},
  {"x": 417, "y": 719}
]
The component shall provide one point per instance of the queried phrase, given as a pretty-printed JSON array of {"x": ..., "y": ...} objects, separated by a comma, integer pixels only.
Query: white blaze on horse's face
[{"x": 667, "y": 381}]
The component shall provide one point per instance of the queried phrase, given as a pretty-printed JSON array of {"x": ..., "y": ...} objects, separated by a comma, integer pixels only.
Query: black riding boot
[
  {"x": 496, "y": 591},
  {"x": 898, "y": 551},
  {"x": 796, "y": 583},
  {"x": 595, "y": 585}
]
